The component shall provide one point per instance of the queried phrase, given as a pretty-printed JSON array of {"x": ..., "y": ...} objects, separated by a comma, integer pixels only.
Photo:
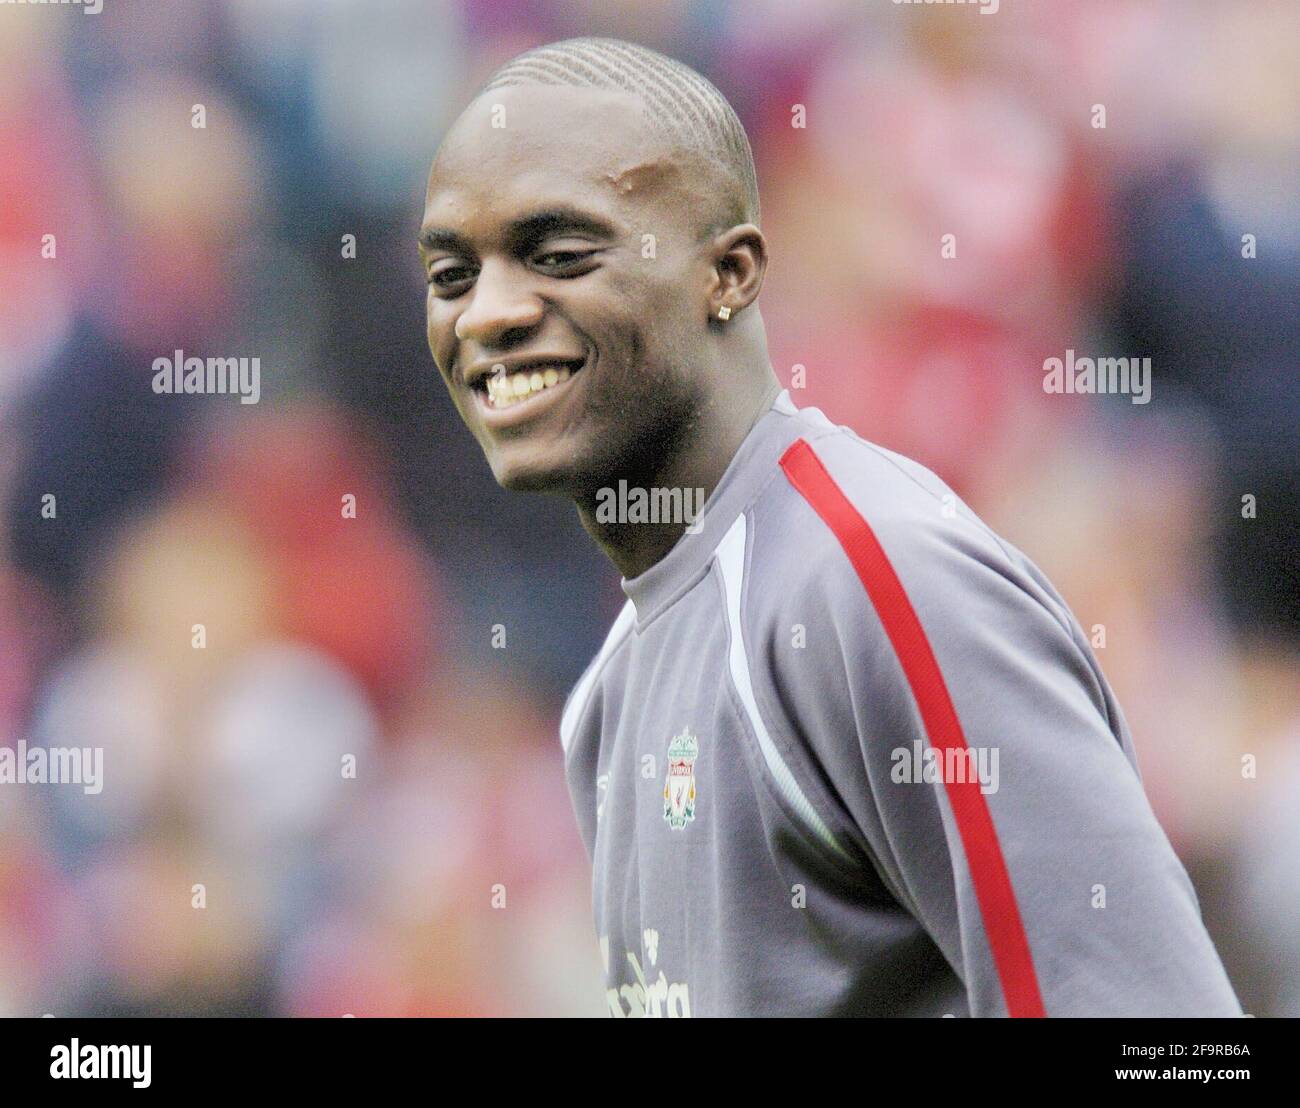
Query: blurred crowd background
[{"x": 372, "y": 637}]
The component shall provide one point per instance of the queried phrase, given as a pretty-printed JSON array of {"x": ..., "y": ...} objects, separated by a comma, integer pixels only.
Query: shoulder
[
  {"x": 847, "y": 525},
  {"x": 870, "y": 581},
  {"x": 581, "y": 694},
  {"x": 837, "y": 503}
]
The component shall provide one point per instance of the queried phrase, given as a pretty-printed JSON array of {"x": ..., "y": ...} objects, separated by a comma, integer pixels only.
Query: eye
[
  {"x": 443, "y": 279},
  {"x": 565, "y": 261}
]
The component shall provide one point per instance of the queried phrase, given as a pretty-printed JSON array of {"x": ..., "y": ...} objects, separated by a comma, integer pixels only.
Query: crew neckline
[{"x": 750, "y": 467}]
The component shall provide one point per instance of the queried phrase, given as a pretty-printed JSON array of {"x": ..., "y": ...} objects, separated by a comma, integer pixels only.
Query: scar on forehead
[{"x": 643, "y": 175}]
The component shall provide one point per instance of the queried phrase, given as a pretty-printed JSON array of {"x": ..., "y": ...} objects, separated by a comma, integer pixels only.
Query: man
[{"x": 844, "y": 751}]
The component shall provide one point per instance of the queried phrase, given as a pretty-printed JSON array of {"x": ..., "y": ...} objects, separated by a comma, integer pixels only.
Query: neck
[{"x": 715, "y": 433}]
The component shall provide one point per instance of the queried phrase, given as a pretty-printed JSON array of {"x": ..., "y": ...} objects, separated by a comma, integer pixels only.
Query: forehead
[{"x": 524, "y": 146}]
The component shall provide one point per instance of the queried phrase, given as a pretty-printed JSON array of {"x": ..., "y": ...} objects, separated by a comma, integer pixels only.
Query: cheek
[
  {"x": 639, "y": 310},
  {"x": 437, "y": 321}
]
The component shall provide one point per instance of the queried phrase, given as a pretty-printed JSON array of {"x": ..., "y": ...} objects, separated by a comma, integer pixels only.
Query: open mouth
[{"x": 502, "y": 390}]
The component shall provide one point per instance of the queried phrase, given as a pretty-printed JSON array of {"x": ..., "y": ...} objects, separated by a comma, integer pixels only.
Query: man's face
[{"x": 542, "y": 272}]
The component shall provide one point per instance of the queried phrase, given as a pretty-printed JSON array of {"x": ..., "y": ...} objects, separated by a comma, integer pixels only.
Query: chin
[{"x": 533, "y": 475}]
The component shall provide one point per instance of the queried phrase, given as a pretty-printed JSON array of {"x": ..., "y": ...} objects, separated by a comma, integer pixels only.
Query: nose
[{"x": 498, "y": 305}]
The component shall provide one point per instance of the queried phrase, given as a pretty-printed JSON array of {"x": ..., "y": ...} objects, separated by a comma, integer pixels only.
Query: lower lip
[{"x": 523, "y": 410}]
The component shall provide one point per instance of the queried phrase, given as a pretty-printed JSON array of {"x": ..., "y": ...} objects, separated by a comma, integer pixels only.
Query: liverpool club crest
[{"x": 679, "y": 789}]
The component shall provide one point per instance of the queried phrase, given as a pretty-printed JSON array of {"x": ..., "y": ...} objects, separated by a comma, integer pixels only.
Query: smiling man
[{"x": 844, "y": 751}]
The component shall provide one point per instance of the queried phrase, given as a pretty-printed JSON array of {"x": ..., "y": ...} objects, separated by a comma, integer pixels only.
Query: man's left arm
[{"x": 963, "y": 721}]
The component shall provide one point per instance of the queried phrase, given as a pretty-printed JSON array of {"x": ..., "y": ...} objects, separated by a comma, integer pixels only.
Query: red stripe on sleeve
[{"x": 997, "y": 899}]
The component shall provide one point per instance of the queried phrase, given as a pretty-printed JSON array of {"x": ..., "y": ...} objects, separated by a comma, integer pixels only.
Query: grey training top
[{"x": 845, "y": 751}]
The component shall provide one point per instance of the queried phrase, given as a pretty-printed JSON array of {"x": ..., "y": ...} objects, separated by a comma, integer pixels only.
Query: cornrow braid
[{"x": 683, "y": 105}]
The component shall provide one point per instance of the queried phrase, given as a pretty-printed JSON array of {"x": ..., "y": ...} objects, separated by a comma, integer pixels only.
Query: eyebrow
[{"x": 525, "y": 231}]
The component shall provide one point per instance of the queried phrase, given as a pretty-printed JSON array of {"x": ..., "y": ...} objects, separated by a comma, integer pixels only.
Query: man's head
[{"x": 586, "y": 217}]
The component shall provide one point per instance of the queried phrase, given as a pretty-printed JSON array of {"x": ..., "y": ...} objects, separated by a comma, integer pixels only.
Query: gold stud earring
[{"x": 724, "y": 313}]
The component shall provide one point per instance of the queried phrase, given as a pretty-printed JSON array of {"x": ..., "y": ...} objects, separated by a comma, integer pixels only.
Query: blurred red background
[{"x": 371, "y": 637}]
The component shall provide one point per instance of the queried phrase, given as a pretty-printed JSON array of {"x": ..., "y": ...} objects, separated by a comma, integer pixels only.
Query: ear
[{"x": 739, "y": 256}]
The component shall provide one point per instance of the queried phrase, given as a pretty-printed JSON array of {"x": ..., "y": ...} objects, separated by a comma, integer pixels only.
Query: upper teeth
[{"x": 505, "y": 390}]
